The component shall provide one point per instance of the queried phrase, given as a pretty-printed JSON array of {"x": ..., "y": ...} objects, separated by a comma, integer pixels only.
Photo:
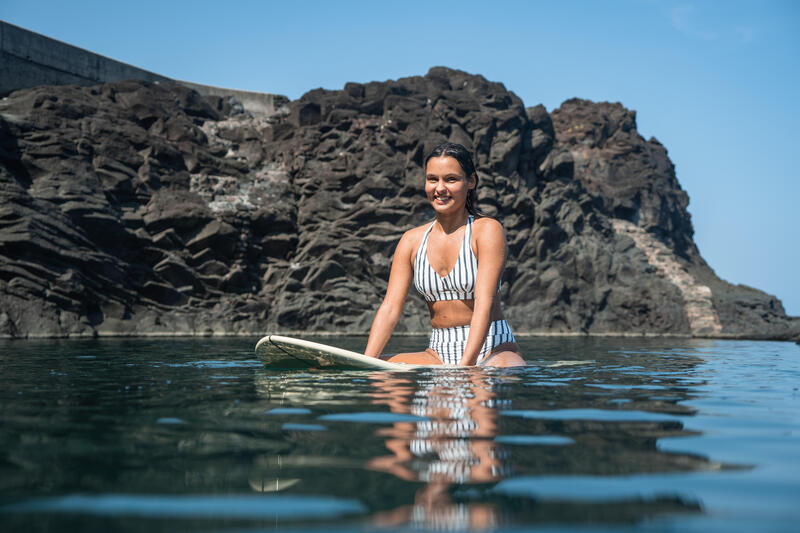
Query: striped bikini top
[{"x": 459, "y": 283}]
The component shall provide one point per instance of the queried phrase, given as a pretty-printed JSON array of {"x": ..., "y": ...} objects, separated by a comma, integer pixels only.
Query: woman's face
[{"x": 446, "y": 185}]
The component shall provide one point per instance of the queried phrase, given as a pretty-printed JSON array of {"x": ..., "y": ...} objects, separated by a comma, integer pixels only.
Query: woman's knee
[{"x": 505, "y": 358}]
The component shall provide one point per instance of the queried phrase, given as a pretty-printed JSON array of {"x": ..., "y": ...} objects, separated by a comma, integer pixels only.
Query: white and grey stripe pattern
[
  {"x": 443, "y": 459},
  {"x": 444, "y": 517},
  {"x": 449, "y": 343},
  {"x": 459, "y": 283}
]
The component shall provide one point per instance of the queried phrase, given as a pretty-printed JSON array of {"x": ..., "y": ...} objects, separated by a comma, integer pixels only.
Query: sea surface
[{"x": 596, "y": 434}]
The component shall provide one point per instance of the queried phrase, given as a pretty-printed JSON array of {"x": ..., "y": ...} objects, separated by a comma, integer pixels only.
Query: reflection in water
[
  {"x": 451, "y": 445},
  {"x": 472, "y": 435},
  {"x": 591, "y": 433},
  {"x": 478, "y": 448}
]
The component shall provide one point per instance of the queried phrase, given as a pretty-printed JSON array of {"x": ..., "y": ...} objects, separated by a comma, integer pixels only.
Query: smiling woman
[{"x": 455, "y": 263}]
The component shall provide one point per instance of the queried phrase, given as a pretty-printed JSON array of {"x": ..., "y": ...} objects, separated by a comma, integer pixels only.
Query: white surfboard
[{"x": 287, "y": 352}]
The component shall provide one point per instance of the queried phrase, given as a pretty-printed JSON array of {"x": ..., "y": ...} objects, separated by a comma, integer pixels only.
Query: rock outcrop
[{"x": 147, "y": 209}]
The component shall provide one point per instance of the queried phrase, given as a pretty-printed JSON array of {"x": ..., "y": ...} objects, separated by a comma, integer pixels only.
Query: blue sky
[{"x": 715, "y": 81}]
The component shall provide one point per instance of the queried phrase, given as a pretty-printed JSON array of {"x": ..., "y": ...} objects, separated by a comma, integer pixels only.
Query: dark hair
[{"x": 464, "y": 158}]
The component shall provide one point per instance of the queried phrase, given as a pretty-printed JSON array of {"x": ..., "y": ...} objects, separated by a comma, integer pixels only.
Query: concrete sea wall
[{"x": 28, "y": 59}]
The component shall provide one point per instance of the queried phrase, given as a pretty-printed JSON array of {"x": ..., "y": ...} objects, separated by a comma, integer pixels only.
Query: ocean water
[{"x": 605, "y": 434}]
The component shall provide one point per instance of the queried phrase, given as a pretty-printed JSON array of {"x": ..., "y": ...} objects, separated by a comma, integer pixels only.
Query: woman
[{"x": 455, "y": 263}]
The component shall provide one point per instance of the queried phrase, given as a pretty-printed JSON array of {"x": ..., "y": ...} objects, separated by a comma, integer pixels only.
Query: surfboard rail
[{"x": 277, "y": 351}]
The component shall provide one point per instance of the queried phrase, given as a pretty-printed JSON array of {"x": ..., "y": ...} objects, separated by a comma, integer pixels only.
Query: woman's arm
[
  {"x": 392, "y": 307},
  {"x": 490, "y": 248}
]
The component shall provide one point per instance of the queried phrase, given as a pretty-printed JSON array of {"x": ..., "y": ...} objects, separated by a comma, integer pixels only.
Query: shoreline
[{"x": 303, "y": 334}]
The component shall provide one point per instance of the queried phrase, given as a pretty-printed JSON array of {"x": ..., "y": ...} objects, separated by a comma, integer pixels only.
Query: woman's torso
[{"x": 451, "y": 268}]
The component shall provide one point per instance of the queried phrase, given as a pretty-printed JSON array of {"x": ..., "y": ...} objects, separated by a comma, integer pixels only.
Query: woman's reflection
[{"x": 451, "y": 445}]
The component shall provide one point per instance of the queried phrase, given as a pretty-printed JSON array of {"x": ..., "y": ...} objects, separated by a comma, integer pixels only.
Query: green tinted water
[{"x": 597, "y": 434}]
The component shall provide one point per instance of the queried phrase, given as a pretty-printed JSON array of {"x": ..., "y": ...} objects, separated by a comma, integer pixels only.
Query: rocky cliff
[{"x": 147, "y": 209}]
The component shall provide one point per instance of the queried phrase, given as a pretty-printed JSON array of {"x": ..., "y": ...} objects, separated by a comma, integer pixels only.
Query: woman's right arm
[{"x": 392, "y": 307}]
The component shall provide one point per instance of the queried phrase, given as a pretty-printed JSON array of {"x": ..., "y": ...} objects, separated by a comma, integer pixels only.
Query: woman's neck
[{"x": 451, "y": 222}]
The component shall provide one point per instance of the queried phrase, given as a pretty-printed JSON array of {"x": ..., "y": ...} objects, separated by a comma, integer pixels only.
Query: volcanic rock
[{"x": 134, "y": 208}]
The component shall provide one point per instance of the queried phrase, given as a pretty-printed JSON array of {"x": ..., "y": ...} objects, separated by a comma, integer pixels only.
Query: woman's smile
[{"x": 441, "y": 199}]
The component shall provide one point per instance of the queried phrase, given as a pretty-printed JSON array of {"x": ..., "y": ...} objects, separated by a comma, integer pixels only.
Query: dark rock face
[
  {"x": 136, "y": 209},
  {"x": 633, "y": 178}
]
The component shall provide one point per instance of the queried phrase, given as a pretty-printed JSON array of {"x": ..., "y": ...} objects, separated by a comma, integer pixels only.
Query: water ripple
[
  {"x": 597, "y": 415},
  {"x": 236, "y": 506}
]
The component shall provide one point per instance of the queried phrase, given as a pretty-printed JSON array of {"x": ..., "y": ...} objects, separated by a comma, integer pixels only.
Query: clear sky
[{"x": 715, "y": 81}]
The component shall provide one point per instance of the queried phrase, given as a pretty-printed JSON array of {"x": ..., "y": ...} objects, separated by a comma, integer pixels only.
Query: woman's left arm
[{"x": 490, "y": 248}]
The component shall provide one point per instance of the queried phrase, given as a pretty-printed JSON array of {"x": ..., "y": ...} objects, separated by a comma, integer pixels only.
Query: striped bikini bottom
[{"x": 449, "y": 343}]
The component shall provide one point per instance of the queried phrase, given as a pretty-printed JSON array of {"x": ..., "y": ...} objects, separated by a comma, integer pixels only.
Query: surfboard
[{"x": 277, "y": 351}]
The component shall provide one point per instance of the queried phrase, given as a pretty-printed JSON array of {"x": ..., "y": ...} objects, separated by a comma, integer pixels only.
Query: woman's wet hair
[{"x": 464, "y": 158}]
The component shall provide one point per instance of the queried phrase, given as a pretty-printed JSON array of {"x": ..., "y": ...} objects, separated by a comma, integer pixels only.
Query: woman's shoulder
[
  {"x": 488, "y": 232},
  {"x": 487, "y": 225},
  {"x": 412, "y": 238},
  {"x": 415, "y": 234}
]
